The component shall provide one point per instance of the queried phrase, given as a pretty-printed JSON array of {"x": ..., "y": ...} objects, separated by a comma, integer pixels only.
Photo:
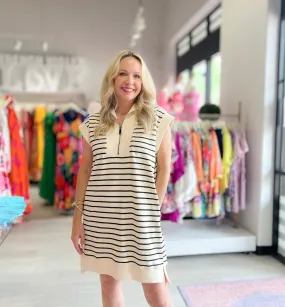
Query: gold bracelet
[{"x": 78, "y": 204}]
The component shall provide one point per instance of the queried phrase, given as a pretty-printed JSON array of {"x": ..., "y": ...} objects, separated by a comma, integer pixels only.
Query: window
[
  {"x": 199, "y": 53},
  {"x": 199, "y": 80},
  {"x": 215, "y": 79}
]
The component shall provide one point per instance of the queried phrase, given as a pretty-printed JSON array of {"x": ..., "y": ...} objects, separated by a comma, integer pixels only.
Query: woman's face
[{"x": 128, "y": 83}]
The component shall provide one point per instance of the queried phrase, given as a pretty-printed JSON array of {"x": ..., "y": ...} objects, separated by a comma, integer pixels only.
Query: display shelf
[{"x": 201, "y": 237}]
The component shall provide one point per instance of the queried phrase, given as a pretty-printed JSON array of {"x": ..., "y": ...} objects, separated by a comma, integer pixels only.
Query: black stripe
[
  {"x": 156, "y": 218},
  {"x": 120, "y": 191},
  {"x": 123, "y": 208},
  {"x": 127, "y": 261},
  {"x": 124, "y": 246},
  {"x": 119, "y": 213},
  {"x": 123, "y": 236},
  {"x": 127, "y": 252},
  {"x": 119, "y": 179},
  {"x": 124, "y": 185},
  {"x": 86, "y": 218},
  {"x": 119, "y": 230}
]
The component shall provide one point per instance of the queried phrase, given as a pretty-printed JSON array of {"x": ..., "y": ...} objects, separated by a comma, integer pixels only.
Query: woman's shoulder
[
  {"x": 93, "y": 116},
  {"x": 161, "y": 112}
]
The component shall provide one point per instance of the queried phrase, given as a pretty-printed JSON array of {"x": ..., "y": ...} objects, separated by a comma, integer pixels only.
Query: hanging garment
[
  {"x": 68, "y": 156},
  {"x": 37, "y": 155},
  {"x": 27, "y": 125},
  {"x": 18, "y": 176},
  {"x": 185, "y": 186},
  {"x": 47, "y": 184},
  {"x": 227, "y": 160},
  {"x": 4, "y": 126},
  {"x": 5, "y": 188},
  {"x": 239, "y": 172},
  {"x": 121, "y": 216},
  {"x": 214, "y": 207},
  {"x": 198, "y": 162},
  {"x": 169, "y": 205}
]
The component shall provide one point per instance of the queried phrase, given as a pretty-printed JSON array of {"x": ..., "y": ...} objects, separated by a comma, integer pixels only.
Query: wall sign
[{"x": 30, "y": 73}]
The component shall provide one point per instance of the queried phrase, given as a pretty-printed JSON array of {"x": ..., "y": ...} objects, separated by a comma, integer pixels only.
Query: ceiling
[{"x": 73, "y": 27}]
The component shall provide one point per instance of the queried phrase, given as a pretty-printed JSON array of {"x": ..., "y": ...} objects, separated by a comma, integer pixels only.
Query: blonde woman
[{"x": 121, "y": 184}]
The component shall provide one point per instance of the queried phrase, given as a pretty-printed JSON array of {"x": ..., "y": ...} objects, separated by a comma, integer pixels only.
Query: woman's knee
[
  {"x": 156, "y": 294},
  {"x": 109, "y": 284}
]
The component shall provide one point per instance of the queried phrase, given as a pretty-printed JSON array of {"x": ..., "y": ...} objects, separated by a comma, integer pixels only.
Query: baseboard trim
[{"x": 264, "y": 250}]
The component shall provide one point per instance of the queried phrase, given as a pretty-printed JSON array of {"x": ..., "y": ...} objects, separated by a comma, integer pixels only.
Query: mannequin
[
  {"x": 177, "y": 100},
  {"x": 191, "y": 102},
  {"x": 163, "y": 99}
]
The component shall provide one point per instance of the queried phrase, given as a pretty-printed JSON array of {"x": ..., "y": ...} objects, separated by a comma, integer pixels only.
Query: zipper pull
[{"x": 120, "y": 130}]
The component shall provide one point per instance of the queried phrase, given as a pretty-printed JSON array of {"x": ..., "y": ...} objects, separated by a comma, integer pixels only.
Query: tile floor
[{"x": 39, "y": 268}]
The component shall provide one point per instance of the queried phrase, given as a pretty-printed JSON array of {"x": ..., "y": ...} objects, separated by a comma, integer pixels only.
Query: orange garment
[
  {"x": 198, "y": 162},
  {"x": 215, "y": 174},
  {"x": 19, "y": 178},
  {"x": 37, "y": 154}
]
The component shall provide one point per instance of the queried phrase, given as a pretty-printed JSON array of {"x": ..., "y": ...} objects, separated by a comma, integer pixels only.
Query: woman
[{"x": 121, "y": 184}]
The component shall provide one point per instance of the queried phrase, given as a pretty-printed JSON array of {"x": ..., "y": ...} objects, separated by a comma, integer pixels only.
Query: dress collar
[{"x": 132, "y": 109}]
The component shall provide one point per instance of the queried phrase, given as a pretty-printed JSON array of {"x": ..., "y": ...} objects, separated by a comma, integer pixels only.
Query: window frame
[{"x": 203, "y": 50}]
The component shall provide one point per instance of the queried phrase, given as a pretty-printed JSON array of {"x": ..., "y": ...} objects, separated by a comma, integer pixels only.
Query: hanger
[
  {"x": 70, "y": 106},
  {"x": 5, "y": 101}
]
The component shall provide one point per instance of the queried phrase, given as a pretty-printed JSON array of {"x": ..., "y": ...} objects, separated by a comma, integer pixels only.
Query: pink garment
[
  {"x": 163, "y": 101},
  {"x": 177, "y": 104},
  {"x": 5, "y": 188},
  {"x": 191, "y": 106}
]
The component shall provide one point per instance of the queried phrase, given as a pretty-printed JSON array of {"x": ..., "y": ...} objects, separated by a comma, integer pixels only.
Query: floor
[{"x": 39, "y": 268}]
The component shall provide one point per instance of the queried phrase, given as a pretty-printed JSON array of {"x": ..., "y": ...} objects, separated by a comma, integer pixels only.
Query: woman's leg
[
  {"x": 112, "y": 295},
  {"x": 157, "y": 295}
]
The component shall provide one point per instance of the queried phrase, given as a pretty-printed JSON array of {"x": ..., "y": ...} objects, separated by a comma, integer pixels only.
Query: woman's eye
[
  {"x": 137, "y": 76},
  {"x": 122, "y": 74}
]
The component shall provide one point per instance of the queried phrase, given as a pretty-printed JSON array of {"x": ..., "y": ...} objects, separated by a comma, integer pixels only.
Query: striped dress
[{"x": 121, "y": 216}]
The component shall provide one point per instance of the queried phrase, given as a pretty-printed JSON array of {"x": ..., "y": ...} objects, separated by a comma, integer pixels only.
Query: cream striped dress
[{"x": 121, "y": 216}]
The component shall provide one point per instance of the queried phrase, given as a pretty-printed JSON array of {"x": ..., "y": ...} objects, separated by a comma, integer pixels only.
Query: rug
[{"x": 250, "y": 293}]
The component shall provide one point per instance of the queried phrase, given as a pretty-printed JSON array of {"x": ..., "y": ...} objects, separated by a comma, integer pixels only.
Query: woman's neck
[{"x": 124, "y": 108}]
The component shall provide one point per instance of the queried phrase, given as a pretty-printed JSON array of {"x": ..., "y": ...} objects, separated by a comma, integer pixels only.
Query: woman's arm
[
  {"x": 77, "y": 235},
  {"x": 163, "y": 165},
  {"x": 83, "y": 176}
]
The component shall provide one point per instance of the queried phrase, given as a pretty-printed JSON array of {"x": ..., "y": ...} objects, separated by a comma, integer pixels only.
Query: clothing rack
[{"x": 215, "y": 123}]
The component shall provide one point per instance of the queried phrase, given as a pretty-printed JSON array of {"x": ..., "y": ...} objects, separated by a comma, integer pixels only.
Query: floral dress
[{"x": 68, "y": 156}]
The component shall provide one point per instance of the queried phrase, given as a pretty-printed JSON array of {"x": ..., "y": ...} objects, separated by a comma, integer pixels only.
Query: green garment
[{"x": 47, "y": 184}]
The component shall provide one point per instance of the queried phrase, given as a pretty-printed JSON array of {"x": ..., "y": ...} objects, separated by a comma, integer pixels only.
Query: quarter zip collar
[{"x": 132, "y": 110}]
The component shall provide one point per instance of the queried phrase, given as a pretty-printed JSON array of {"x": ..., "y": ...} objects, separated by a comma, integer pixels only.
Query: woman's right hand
[{"x": 77, "y": 235}]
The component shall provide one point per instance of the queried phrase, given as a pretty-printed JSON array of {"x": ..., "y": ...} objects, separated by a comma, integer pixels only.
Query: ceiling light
[
  {"x": 18, "y": 45},
  {"x": 45, "y": 46}
]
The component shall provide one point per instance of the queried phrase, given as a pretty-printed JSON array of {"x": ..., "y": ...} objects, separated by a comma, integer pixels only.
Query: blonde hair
[{"x": 145, "y": 101}]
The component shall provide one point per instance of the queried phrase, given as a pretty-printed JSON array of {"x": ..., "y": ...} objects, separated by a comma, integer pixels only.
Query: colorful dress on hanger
[
  {"x": 47, "y": 184},
  {"x": 19, "y": 179},
  {"x": 68, "y": 157},
  {"x": 37, "y": 155},
  {"x": 27, "y": 125}
]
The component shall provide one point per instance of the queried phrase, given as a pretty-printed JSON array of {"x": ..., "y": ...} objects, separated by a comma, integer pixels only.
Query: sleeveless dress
[{"x": 121, "y": 216}]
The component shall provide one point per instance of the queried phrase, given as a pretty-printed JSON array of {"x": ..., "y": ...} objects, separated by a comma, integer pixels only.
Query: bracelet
[{"x": 78, "y": 204}]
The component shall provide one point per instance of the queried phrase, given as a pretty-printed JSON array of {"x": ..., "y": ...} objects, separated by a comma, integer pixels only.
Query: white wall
[
  {"x": 94, "y": 29},
  {"x": 249, "y": 46}
]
